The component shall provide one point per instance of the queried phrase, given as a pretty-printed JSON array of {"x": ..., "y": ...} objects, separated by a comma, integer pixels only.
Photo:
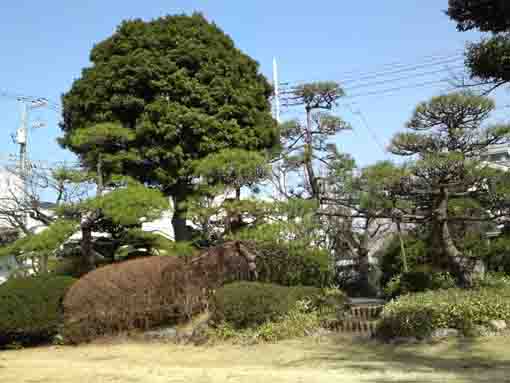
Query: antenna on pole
[
  {"x": 276, "y": 90},
  {"x": 21, "y": 140},
  {"x": 27, "y": 104}
]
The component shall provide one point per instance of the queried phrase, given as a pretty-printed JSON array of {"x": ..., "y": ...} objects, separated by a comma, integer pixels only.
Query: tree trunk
[
  {"x": 457, "y": 264},
  {"x": 181, "y": 230},
  {"x": 100, "y": 178},
  {"x": 402, "y": 247},
  {"x": 236, "y": 219},
  {"x": 87, "y": 251},
  {"x": 312, "y": 179},
  {"x": 43, "y": 264},
  {"x": 364, "y": 263}
]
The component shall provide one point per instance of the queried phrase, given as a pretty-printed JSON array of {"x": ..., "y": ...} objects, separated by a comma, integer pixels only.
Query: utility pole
[
  {"x": 21, "y": 140},
  {"x": 276, "y": 86},
  {"x": 22, "y": 133}
]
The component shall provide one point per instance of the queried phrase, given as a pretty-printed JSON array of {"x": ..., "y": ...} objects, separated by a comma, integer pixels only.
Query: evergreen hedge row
[
  {"x": 418, "y": 315},
  {"x": 31, "y": 309}
]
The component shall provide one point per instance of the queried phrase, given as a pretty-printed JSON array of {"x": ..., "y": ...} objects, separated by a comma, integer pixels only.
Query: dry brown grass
[{"x": 309, "y": 360}]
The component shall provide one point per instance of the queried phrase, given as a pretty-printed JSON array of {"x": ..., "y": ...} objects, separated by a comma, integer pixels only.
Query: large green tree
[
  {"x": 448, "y": 185},
  {"x": 183, "y": 89},
  {"x": 488, "y": 61},
  {"x": 307, "y": 147}
]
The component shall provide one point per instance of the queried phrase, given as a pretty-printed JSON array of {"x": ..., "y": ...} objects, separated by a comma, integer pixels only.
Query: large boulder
[
  {"x": 443, "y": 333},
  {"x": 497, "y": 325}
]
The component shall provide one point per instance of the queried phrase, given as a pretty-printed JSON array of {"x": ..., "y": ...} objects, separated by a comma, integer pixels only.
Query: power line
[
  {"x": 409, "y": 77},
  {"x": 396, "y": 89},
  {"x": 365, "y": 124},
  {"x": 401, "y": 68},
  {"x": 386, "y": 91},
  {"x": 389, "y": 79}
]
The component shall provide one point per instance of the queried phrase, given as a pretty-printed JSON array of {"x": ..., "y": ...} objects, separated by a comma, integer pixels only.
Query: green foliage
[
  {"x": 67, "y": 267},
  {"x": 319, "y": 94},
  {"x": 292, "y": 266},
  {"x": 391, "y": 259},
  {"x": 486, "y": 15},
  {"x": 130, "y": 205},
  {"x": 233, "y": 168},
  {"x": 291, "y": 223},
  {"x": 70, "y": 176},
  {"x": 420, "y": 314},
  {"x": 449, "y": 186},
  {"x": 181, "y": 88},
  {"x": 210, "y": 216},
  {"x": 250, "y": 304},
  {"x": 106, "y": 141},
  {"x": 43, "y": 244},
  {"x": 30, "y": 308},
  {"x": 494, "y": 280},
  {"x": 454, "y": 116},
  {"x": 101, "y": 134},
  {"x": 301, "y": 320},
  {"x": 288, "y": 245},
  {"x": 488, "y": 61},
  {"x": 418, "y": 281},
  {"x": 498, "y": 253}
]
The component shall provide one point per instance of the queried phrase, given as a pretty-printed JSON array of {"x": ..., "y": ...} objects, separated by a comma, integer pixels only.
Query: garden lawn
[{"x": 308, "y": 360}]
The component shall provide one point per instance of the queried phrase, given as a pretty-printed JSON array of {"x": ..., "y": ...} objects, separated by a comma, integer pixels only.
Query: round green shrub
[
  {"x": 418, "y": 281},
  {"x": 250, "y": 304},
  {"x": 291, "y": 265},
  {"x": 418, "y": 315},
  {"x": 493, "y": 280},
  {"x": 391, "y": 258},
  {"x": 30, "y": 308}
]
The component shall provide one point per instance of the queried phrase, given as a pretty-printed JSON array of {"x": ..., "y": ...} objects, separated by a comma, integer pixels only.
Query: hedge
[
  {"x": 30, "y": 308},
  {"x": 279, "y": 264},
  {"x": 417, "y": 282},
  {"x": 250, "y": 304},
  {"x": 148, "y": 292},
  {"x": 418, "y": 315},
  {"x": 121, "y": 297}
]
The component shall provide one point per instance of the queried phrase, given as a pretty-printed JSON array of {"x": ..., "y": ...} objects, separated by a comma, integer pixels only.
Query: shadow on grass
[{"x": 464, "y": 360}]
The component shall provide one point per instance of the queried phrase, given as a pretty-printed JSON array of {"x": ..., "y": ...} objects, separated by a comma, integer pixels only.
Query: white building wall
[{"x": 11, "y": 186}]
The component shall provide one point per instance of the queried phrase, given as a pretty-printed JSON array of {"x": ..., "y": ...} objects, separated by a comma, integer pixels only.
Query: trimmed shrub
[
  {"x": 418, "y": 281},
  {"x": 120, "y": 297},
  {"x": 493, "y": 280},
  {"x": 391, "y": 257},
  {"x": 30, "y": 308},
  {"x": 420, "y": 314},
  {"x": 250, "y": 304},
  {"x": 349, "y": 279},
  {"x": 277, "y": 263},
  {"x": 300, "y": 321},
  {"x": 147, "y": 292}
]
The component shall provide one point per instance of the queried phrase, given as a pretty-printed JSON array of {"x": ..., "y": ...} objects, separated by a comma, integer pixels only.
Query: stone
[
  {"x": 165, "y": 333},
  {"x": 200, "y": 335},
  {"x": 405, "y": 340},
  {"x": 195, "y": 331},
  {"x": 498, "y": 325},
  {"x": 442, "y": 333},
  {"x": 481, "y": 331}
]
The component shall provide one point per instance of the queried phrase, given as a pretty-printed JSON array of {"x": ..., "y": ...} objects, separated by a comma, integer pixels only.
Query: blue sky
[{"x": 46, "y": 44}]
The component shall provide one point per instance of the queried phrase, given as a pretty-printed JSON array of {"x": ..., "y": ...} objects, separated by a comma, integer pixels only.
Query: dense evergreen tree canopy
[
  {"x": 484, "y": 15},
  {"x": 182, "y": 87},
  {"x": 448, "y": 183},
  {"x": 488, "y": 61}
]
